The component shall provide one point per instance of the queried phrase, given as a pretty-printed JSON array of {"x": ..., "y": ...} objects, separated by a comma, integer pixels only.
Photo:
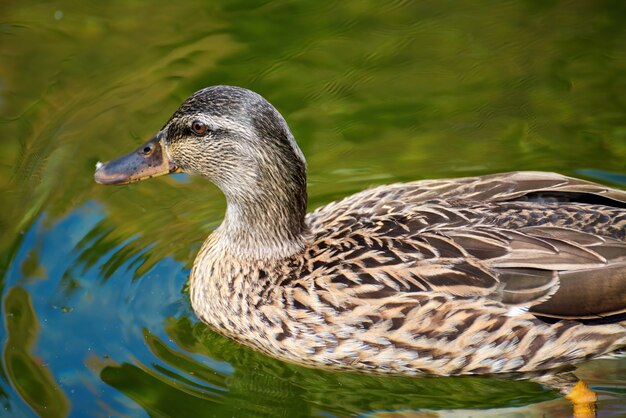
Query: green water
[{"x": 96, "y": 316}]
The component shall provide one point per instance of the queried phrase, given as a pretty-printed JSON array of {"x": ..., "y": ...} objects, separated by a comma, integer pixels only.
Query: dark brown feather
[{"x": 584, "y": 294}]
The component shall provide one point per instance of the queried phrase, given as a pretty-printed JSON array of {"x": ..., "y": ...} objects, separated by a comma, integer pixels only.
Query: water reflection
[
  {"x": 32, "y": 380},
  {"x": 86, "y": 309}
]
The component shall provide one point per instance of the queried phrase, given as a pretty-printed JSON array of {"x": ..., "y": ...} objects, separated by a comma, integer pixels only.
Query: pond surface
[{"x": 96, "y": 314}]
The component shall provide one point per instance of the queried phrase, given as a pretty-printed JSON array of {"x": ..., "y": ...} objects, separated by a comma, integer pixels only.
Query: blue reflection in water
[
  {"x": 604, "y": 176},
  {"x": 181, "y": 177},
  {"x": 89, "y": 315}
]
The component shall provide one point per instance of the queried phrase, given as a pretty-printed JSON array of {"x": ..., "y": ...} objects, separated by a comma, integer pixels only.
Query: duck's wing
[{"x": 553, "y": 270}]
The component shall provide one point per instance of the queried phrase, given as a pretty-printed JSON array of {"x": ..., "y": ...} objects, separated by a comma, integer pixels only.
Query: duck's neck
[{"x": 266, "y": 223}]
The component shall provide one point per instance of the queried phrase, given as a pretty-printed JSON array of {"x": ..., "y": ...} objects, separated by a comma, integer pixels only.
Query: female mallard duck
[{"x": 509, "y": 272}]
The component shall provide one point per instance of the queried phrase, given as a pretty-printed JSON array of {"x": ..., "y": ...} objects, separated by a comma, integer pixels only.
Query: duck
[{"x": 500, "y": 273}]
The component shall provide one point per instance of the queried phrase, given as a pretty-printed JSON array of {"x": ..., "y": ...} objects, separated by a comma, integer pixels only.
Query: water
[{"x": 97, "y": 320}]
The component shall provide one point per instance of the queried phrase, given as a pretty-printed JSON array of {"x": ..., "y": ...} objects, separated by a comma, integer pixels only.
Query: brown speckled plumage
[{"x": 510, "y": 272}]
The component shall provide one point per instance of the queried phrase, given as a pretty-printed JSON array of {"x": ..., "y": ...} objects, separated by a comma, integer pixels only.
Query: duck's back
[{"x": 540, "y": 188}]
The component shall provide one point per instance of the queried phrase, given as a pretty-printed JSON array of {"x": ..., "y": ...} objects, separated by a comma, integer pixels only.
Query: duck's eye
[{"x": 198, "y": 127}]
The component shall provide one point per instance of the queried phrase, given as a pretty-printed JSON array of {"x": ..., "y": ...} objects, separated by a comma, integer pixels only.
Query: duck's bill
[{"x": 147, "y": 161}]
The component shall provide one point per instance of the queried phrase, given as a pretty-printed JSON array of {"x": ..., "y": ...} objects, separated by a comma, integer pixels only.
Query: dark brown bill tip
[{"x": 149, "y": 160}]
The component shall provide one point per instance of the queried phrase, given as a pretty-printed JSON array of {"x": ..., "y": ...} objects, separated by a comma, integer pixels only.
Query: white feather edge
[{"x": 517, "y": 311}]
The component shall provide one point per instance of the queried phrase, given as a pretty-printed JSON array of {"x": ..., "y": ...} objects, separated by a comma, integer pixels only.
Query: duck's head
[
  {"x": 238, "y": 141},
  {"x": 229, "y": 135}
]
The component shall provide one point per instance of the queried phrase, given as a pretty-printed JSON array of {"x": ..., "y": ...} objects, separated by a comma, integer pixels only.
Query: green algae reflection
[{"x": 32, "y": 380}]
